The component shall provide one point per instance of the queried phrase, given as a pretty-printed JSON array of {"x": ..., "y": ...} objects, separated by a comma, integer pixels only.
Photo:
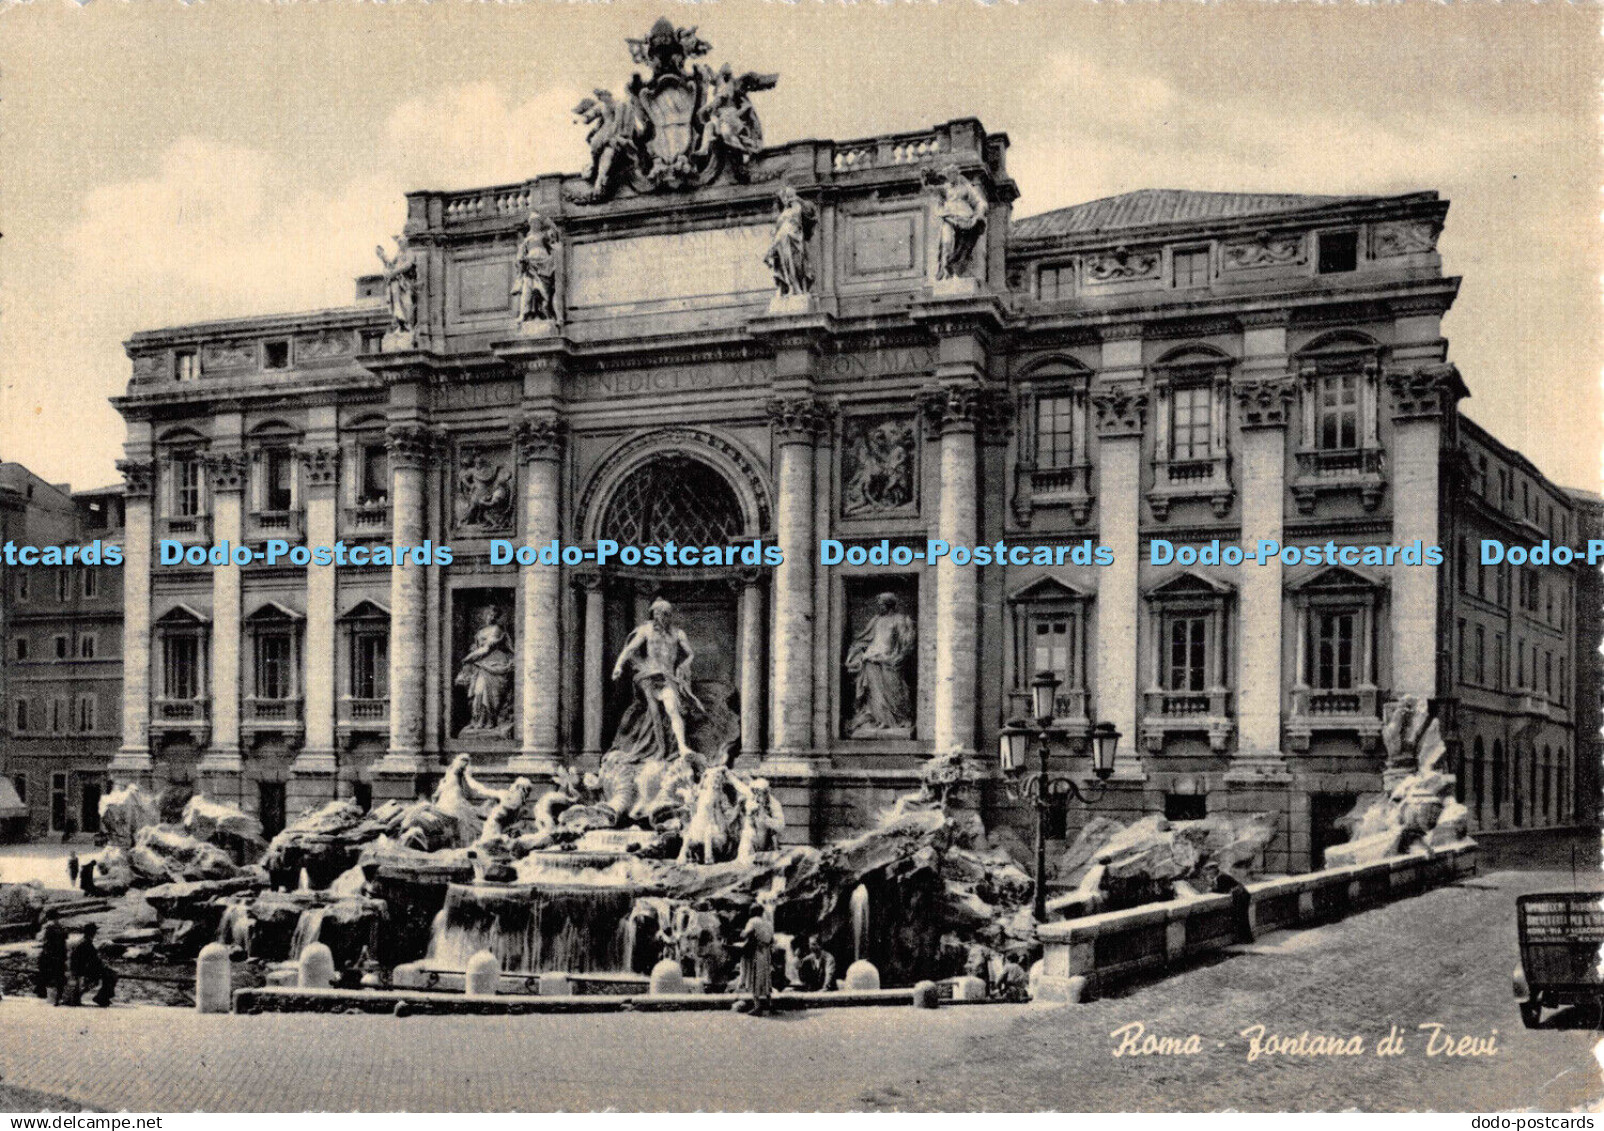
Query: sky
[{"x": 164, "y": 163}]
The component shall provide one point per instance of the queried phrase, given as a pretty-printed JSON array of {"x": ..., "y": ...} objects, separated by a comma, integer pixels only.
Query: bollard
[
  {"x": 862, "y": 975},
  {"x": 553, "y": 984},
  {"x": 316, "y": 971},
  {"x": 667, "y": 978},
  {"x": 1036, "y": 971},
  {"x": 969, "y": 988},
  {"x": 926, "y": 996},
  {"x": 483, "y": 975},
  {"x": 214, "y": 979}
]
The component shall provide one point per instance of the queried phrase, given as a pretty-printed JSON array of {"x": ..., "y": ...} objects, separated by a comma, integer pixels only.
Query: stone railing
[
  {"x": 1087, "y": 956},
  {"x": 915, "y": 149},
  {"x": 367, "y": 518},
  {"x": 276, "y": 524},
  {"x": 187, "y": 528},
  {"x": 487, "y": 204},
  {"x": 1069, "y": 708},
  {"x": 183, "y": 710}
]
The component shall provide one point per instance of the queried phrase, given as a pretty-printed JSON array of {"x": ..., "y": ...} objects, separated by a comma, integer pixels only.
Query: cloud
[{"x": 471, "y": 135}]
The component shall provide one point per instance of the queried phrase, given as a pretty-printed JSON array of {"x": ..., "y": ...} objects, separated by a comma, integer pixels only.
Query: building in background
[
  {"x": 854, "y": 341},
  {"x": 61, "y": 673},
  {"x": 1588, "y": 664}
]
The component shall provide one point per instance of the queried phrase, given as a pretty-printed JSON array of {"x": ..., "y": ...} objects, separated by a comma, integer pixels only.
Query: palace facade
[{"x": 637, "y": 363}]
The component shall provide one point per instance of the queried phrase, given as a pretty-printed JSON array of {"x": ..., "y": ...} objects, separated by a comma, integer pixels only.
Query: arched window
[{"x": 674, "y": 498}]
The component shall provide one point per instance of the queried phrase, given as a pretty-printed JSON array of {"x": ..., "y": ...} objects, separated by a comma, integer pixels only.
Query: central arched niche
[{"x": 673, "y": 497}]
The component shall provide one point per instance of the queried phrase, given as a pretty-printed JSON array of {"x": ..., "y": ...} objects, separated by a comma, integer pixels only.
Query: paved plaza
[{"x": 1444, "y": 957}]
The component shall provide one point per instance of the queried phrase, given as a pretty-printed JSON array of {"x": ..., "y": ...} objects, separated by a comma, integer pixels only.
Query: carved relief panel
[{"x": 879, "y": 465}]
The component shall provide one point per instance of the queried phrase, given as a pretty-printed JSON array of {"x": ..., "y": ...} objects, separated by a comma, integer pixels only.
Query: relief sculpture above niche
[
  {"x": 484, "y": 490},
  {"x": 879, "y": 465}
]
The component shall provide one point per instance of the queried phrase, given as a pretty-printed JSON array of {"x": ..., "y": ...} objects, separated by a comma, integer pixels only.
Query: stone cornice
[{"x": 373, "y": 316}]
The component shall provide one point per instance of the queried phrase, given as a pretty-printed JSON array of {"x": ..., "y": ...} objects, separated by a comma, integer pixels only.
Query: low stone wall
[
  {"x": 292, "y": 1000},
  {"x": 1085, "y": 957}
]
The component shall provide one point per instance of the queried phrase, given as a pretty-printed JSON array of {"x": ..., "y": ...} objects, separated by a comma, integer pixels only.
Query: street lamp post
[{"x": 1042, "y": 789}]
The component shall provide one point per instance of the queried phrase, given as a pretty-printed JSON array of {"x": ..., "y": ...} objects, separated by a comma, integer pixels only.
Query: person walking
[
  {"x": 757, "y": 959},
  {"x": 72, "y": 869},
  {"x": 89, "y": 969},
  {"x": 51, "y": 978}
]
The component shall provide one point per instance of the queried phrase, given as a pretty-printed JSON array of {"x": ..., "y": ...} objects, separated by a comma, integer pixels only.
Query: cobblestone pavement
[{"x": 1444, "y": 956}]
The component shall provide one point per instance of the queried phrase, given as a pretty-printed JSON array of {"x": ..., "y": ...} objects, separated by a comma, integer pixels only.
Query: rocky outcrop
[
  {"x": 1418, "y": 812},
  {"x": 164, "y": 854},
  {"x": 125, "y": 811},
  {"x": 234, "y": 831},
  {"x": 1115, "y": 866}
]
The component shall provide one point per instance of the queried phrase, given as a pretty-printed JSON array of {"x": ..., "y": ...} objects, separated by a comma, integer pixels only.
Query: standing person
[
  {"x": 86, "y": 877},
  {"x": 757, "y": 959},
  {"x": 52, "y": 975},
  {"x": 72, "y": 870},
  {"x": 89, "y": 969}
]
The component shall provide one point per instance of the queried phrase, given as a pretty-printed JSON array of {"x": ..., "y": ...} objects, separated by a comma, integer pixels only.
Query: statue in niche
[
  {"x": 883, "y": 704},
  {"x": 878, "y": 470},
  {"x": 787, "y": 256},
  {"x": 661, "y": 655},
  {"x": 401, "y": 286},
  {"x": 536, "y": 285},
  {"x": 960, "y": 209},
  {"x": 486, "y": 675},
  {"x": 484, "y": 493}
]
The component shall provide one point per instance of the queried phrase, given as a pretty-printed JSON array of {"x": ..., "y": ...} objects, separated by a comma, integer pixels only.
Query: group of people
[{"x": 66, "y": 975}]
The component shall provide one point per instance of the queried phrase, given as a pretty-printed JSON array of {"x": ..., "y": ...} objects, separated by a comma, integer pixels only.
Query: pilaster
[
  {"x": 221, "y": 766},
  {"x": 315, "y": 765},
  {"x": 132, "y": 763},
  {"x": 540, "y": 437}
]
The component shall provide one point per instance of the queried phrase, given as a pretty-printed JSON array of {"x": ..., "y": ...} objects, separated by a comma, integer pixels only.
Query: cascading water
[
  {"x": 234, "y": 929},
  {"x": 305, "y": 882},
  {"x": 532, "y": 929},
  {"x": 307, "y": 929},
  {"x": 859, "y": 908}
]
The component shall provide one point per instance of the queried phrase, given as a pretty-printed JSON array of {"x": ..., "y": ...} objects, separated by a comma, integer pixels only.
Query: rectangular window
[
  {"x": 20, "y": 647},
  {"x": 86, "y": 646},
  {"x": 372, "y": 341},
  {"x": 375, "y": 474},
  {"x": 1481, "y": 476},
  {"x": 63, "y": 584},
  {"x": 19, "y": 716},
  {"x": 1498, "y": 661},
  {"x": 1187, "y": 657},
  {"x": 58, "y": 715},
  {"x": 275, "y": 355},
  {"x": 91, "y": 582},
  {"x": 278, "y": 467},
  {"x": 1564, "y": 694},
  {"x": 186, "y": 471},
  {"x": 62, "y": 650},
  {"x": 274, "y": 676},
  {"x": 86, "y": 714},
  {"x": 1054, "y": 432},
  {"x": 22, "y": 585},
  {"x": 1520, "y": 664},
  {"x": 1338, "y": 413},
  {"x": 1054, "y": 284},
  {"x": 1191, "y": 422},
  {"x": 1481, "y": 656},
  {"x": 1192, "y": 267},
  {"x": 370, "y": 665},
  {"x": 58, "y": 801},
  {"x": 181, "y": 667},
  {"x": 1339, "y": 252},
  {"x": 1548, "y": 674},
  {"x": 1464, "y": 668},
  {"x": 1051, "y": 648},
  {"x": 186, "y": 365},
  {"x": 1333, "y": 644},
  {"x": 20, "y": 782}
]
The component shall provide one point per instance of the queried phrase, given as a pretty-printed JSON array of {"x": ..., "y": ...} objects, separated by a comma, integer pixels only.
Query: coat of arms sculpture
[{"x": 679, "y": 128}]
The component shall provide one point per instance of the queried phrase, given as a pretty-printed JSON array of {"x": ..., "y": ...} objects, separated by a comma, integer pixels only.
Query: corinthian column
[
  {"x": 410, "y": 447},
  {"x": 952, "y": 413},
  {"x": 797, "y": 422},
  {"x": 132, "y": 762},
  {"x": 540, "y": 446},
  {"x": 315, "y": 765},
  {"x": 221, "y": 766}
]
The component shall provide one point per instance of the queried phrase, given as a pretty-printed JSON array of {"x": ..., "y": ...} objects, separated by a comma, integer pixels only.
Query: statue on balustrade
[
  {"x": 661, "y": 655},
  {"x": 960, "y": 209},
  {"x": 401, "y": 286},
  {"x": 486, "y": 675},
  {"x": 787, "y": 256},
  {"x": 877, "y": 660},
  {"x": 484, "y": 493},
  {"x": 536, "y": 284}
]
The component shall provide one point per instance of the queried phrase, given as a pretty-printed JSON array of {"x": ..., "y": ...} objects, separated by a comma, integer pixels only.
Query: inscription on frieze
[
  {"x": 722, "y": 261},
  {"x": 672, "y": 379},
  {"x": 478, "y": 395}
]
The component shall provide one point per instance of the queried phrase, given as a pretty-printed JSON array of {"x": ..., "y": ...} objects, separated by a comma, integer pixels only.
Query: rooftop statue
[
  {"x": 401, "y": 287},
  {"x": 679, "y": 127},
  {"x": 960, "y": 209}
]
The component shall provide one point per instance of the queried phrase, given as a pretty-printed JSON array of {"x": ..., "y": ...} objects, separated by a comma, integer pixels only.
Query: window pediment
[
  {"x": 1338, "y": 579},
  {"x": 1045, "y": 590},
  {"x": 182, "y": 616},
  {"x": 366, "y": 610},
  {"x": 271, "y": 612},
  {"x": 1190, "y": 585}
]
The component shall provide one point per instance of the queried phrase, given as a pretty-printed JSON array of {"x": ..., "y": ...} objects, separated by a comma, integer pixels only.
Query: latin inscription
[
  {"x": 721, "y": 261},
  {"x": 477, "y": 396}
]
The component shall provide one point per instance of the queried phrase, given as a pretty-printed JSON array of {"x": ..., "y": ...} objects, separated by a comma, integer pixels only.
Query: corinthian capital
[
  {"x": 541, "y": 436},
  {"x": 139, "y": 477},
  {"x": 798, "y": 419},
  {"x": 409, "y": 445},
  {"x": 1263, "y": 403},
  {"x": 227, "y": 470},
  {"x": 1121, "y": 410},
  {"x": 1424, "y": 392},
  {"x": 322, "y": 466}
]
